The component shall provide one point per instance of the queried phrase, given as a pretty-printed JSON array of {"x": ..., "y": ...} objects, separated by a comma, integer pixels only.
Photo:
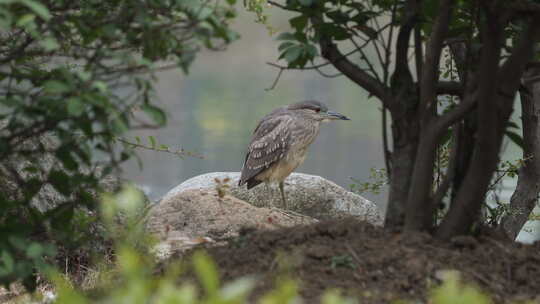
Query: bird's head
[{"x": 315, "y": 110}]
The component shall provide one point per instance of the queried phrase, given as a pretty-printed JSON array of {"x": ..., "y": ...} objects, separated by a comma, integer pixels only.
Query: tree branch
[
  {"x": 523, "y": 7},
  {"x": 513, "y": 68},
  {"x": 330, "y": 52},
  {"x": 422, "y": 177},
  {"x": 444, "y": 87},
  {"x": 525, "y": 197},
  {"x": 468, "y": 202},
  {"x": 430, "y": 70},
  {"x": 386, "y": 150},
  {"x": 458, "y": 112},
  {"x": 407, "y": 25}
]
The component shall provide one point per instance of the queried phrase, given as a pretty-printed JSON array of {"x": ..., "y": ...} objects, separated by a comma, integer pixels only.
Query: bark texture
[{"x": 525, "y": 197}]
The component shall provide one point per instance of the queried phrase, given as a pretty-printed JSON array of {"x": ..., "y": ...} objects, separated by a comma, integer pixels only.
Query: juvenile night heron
[{"x": 280, "y": 142}]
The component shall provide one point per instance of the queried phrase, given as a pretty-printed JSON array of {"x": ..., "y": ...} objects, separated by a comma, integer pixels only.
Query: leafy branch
[{"x": 155, "y": 146}]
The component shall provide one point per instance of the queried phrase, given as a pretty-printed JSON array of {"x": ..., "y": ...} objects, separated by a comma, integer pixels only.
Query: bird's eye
[{"x": 317, "y": 110}]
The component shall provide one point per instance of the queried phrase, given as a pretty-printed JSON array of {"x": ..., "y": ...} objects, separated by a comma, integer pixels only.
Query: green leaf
[
  {"x": 514, "y": 137},
  {"x": 338, "y": 33},
  {"x": 55, "y": 87},
  {"x": 285, "y": 45},
  {"x": 512, "y": 125},
  {"x": 453, "y": 291},
  {"x": 338, "y": 16},
  {"x": 32, "y": 187},
  {"x": 26, "y": 19},
  {"x": 49, "y": 44},
  {"x": 60, "y": 181},
  {"x": 38, "y": 8},
  {"x": 8, "y": 262},
  {"x": 237, "y": 290},
  {"x": 61, "y": 216},
  {"x": 299, "y": 23},
  {"x": 120, "y": 124},
  {"x": 100, "y": 86},
  {"x": 306, "y": 2},
  {"x": 152, "y": 140},
  {"x": 65, "y": 156},
  {"x": 157, "y": 114},
  {"x": 6, "y": 18},
  {"x": 312, "y": 50},
  {"x": 206, "y": 271},
  {"x": 286, "y": 36},
  {"x": 34, "y": 250},
  {"x": 18, "y": 242},
  {"x": 75, "y": 106},
  {"x": 293, "y": 53}
]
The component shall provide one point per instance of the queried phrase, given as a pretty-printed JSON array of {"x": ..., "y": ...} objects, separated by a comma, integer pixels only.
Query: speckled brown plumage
[{"x": 280, "y": 141}]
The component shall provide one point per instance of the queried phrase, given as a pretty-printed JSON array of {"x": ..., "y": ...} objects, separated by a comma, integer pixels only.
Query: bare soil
[{"x": 379, "y": 266}]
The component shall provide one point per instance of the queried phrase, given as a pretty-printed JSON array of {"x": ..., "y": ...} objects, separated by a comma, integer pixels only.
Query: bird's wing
[{"x": 269, "y": 143}]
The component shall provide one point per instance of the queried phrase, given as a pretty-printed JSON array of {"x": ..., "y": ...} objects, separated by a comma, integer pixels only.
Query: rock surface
[
  {"x": 198, "y": 216},
  {"x": 307, "y": 194}
]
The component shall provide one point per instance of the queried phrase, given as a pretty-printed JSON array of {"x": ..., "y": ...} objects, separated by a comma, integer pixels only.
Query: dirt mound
[{"x": 378, "y": 266}]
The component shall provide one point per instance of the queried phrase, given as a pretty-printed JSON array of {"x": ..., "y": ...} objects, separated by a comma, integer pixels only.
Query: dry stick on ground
[{"x": 525, "y": 197}]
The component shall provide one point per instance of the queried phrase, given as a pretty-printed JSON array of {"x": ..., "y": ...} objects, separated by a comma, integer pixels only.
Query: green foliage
[
  {"x": 258, "y": 8},
  {"x": 74, "y": 77},
  {"x": 378, "y": 179},
  {"x": 452, "y": 291},
  {"x": 496, "y": 208},
  {"x": 286, "y": 292},
  {"x": 334, "y": 20},
  {"x": 134, "y": 279},
  {"x": 512, "y": 134},
  {"x": 345, "y": 261}
]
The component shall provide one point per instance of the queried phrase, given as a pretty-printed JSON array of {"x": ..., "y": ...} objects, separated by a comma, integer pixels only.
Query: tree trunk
[
  {"x": 420, "y": 211},
  {"x": 495, "y": 104},
  {"x": 465, "y": 131},
  {"x": 465, "y": 209},
  {"x": 405, "y": 143},
  {"x": 527, "y": 191}
]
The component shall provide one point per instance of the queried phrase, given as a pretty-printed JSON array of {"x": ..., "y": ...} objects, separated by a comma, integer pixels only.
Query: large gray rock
[
  {"x": 307, "y": 194},
  {"x": 194, "y": 216}
]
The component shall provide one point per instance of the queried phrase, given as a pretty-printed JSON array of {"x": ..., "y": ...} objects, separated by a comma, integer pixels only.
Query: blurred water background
[{"x": 214, "y": 109}]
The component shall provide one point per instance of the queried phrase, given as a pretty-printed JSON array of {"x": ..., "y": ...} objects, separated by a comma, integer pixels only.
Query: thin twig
[
  {"x": 312, "y": 67},
  {"x": 275, "y": 80},
  {"x": 387, "y": 47},
  {"x": 387, "y": 153},
  {"x": 274, "y": 3},
  {"x": 180, "y": 152}
]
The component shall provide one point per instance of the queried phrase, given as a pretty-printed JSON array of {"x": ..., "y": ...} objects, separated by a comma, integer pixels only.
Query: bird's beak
[{"x": 334, "y": 115}]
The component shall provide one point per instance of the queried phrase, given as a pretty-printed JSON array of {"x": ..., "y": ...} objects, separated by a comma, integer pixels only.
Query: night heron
[{"x": 280, "y": 142}]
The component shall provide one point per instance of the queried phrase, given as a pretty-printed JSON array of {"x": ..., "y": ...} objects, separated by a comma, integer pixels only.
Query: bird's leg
[
  {"x": 281, "y": 185},
  {"x": 269, "y": 193}
]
